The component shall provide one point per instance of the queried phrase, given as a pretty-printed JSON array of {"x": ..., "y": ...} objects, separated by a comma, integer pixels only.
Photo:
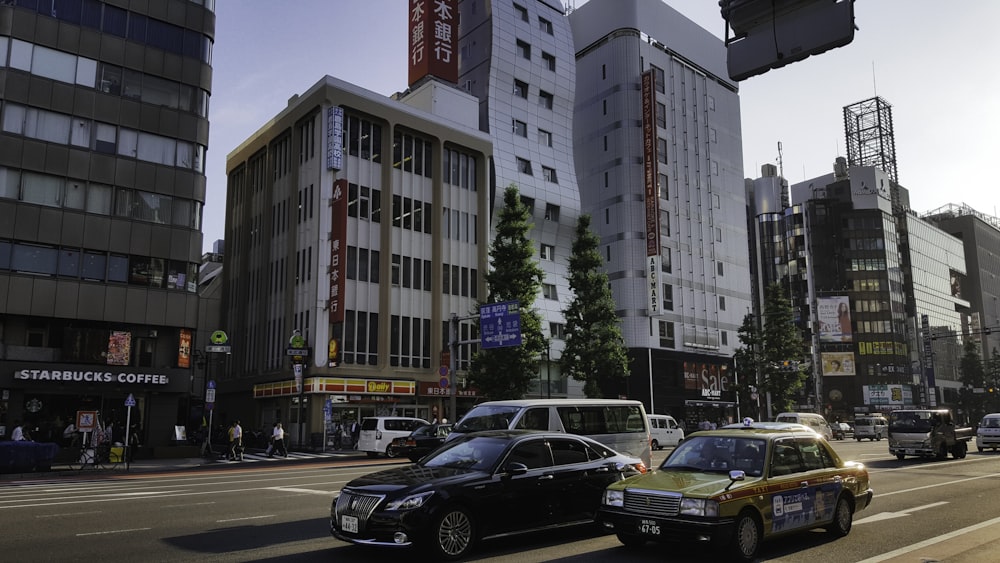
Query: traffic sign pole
[{"x": 129, "y": 402}]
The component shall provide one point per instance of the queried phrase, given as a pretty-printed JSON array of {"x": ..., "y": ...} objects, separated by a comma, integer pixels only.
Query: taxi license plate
[
  {"x": 649, "y": 527},
  {"x": 349, "y": 524}
]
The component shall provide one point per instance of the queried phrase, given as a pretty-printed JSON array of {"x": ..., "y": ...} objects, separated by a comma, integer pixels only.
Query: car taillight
[{"x": 411, "y": 442}]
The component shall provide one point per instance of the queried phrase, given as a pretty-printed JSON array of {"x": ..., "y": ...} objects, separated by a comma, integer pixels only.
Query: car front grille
[
  {"x": 359, "y": 505},
  {"x": 652, "y": 503}
]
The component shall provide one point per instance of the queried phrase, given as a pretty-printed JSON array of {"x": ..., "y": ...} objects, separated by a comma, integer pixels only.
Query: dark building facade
[{"x": 103, "y": 133}]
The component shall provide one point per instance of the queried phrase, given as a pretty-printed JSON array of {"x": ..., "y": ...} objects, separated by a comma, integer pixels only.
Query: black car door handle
[{"x": 546, "y": 477}]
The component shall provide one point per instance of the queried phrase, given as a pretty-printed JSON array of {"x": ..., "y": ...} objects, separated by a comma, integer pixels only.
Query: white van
[
  {"x": 988, "y": 433},
  {"x": 871, "y": 426},
  {"x": 619, "y": 424},
  {"x": 664, "y": 431},
  {"x": 377, "y": 432},
  {"x": 810, "y": 419}
]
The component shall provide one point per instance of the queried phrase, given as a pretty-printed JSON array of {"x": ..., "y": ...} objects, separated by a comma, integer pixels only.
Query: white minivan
[
  {"x": 617, "y": 423},
  {"x": 377, "y": 432},
  {"x": 988, "y": 433},
  {"x": 664, "y": 431},
  {"x": 810, "y": 419},
  {"x": 871, "y": 426}
]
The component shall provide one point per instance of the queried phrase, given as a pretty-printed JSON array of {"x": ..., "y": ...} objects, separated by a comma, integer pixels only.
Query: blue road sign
[
  {"x": 500, "y": 324},
  {"x": 130, "y": 400}
]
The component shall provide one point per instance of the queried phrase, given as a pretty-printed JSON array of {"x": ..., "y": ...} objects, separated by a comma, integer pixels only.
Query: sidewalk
[{"x": 251, "y": 458}]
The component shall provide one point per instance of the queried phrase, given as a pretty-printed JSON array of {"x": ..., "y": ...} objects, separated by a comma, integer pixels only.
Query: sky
[{"x": 937, "y": 67}]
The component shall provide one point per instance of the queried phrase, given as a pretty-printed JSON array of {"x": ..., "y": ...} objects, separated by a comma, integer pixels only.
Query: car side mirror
[
  {"x": 736, "y": 475},
  {"x": 514, "y": 468}
]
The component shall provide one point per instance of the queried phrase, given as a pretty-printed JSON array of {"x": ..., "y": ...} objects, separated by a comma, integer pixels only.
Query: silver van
[
  {"x": 873, "y": 426},
  {"x": 810, "y": 419},
  {"x": 619, "y": 424}
]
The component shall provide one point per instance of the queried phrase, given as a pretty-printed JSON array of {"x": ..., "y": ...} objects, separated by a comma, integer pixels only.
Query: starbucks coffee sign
[{"x": 83, "y": 376}]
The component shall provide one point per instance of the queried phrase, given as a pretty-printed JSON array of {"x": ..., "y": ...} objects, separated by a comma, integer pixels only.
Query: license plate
[
  {"x": 649, "y": 527},
  {"x": 911, "y": 452},
  {"x": 349, "y": 524}
]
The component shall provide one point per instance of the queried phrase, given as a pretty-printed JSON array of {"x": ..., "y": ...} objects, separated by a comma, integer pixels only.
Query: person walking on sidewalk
[
  {"x": 236, "y": 441},
  {"x": 278, "y": 441}
]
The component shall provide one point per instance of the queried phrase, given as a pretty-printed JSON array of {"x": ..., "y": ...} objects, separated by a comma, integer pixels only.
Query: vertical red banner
[
  {"x": 650, "y": 165},
  {"x": 184, "y": 349},
  {"x": 338, "y": 250},
  {"x": 433, "y": 41}
]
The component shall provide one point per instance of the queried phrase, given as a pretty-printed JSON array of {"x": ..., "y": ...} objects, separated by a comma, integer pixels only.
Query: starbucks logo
[{"x": 34, "y": 405}]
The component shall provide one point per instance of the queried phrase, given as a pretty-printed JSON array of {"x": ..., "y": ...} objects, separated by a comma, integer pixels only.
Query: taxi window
[
  {"x": 785, "y": 459},
  {"x": 813, "y": 455}
]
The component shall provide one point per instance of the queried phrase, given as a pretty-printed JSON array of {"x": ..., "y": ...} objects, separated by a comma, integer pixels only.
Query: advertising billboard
[
  {"x": 834, "y": 316},
  {"x": 838, "y": 363},
  {"x": 433, "y": 41}
]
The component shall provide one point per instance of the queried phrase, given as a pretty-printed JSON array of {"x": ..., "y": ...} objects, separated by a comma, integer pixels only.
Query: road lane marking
[
  {"x": 930, "y": 542},
  {"x": 993, "y": 476},
  {"x": 187, "y": 505},
  {"x": 113, "y": 532},
  {"x": 68, "y": 514},
  {"x": 889, "y": 515},
  {"x": 304, "y": 491},
  {"x": 245, "y": 518}
]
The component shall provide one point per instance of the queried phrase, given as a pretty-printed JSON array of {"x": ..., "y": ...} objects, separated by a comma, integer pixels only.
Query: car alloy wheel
[
  {"x": 453, "y": 533},
  {"x": 390, "y": 451},
  {"x": 746, "y": 540},
  {"x": 843, "y": 518}
]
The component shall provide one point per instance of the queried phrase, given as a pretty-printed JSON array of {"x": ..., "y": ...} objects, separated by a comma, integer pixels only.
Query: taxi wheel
[
  {"x": 630, "y": 540},
  {"x": 452, "y": 535},
  {"x": 747, "y": 536},
  {"x": 843, "y": 518}
]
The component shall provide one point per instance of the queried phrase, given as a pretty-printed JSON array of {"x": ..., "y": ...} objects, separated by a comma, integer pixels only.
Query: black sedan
[
  {"x": 419, "y": 442},
  {"x": 479, "y": 486}
]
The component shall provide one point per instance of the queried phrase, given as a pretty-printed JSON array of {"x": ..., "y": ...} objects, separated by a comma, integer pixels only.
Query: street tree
[
  {"x": 747, "y": 359},
  {"x": 507, "y": 372},
  {"x": 973, "y": 376},
  {"x": 595, "y": 349},
  {"x": 777, "y": 361}
]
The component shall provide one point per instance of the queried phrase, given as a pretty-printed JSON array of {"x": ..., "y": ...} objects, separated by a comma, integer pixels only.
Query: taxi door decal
[{"x": 803, "y": 507}]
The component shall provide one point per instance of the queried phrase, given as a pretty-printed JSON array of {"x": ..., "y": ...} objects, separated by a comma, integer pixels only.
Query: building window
[
  {"x": 557, "y": 331},
  {"x": 549, "y": 291},
  {"x": 715, "y": 168},
  {"x": 549, "y": 174},
  {"x": 520, "y": 128},
  {"x": 524, "y": 166},
  {"x": 604, "y": 106},
  {"x": 551, "y": 212},
  {"x": 523, "y": 50},
  {"x": 666, "y": 334},
  {"x": 521, "y": 12},
  {"x": 521, "y": 89},
  {"x": 544, "y": 138},
  {"x": 658, "y": 75},
  {"x": 545, "y": 99},
  {"x": 724, "y": 338},
  {"x": 718, "y": 234},
  {"x": 529, "y": 204},
  {"x": 545, "y": 25},
  {"x": 547, "y": 252},
  {"x": 661, "y": 150},
  {"x": 668, "y": 297},
  {"x": 549, "y": 61},
  {"x": 661, "y": 115},
  {"x": 604, "y": 72},
  {"x": 722, "y": 303},
  {"x": 719, "y": 268},
  {"x": 662, "y": 188}
]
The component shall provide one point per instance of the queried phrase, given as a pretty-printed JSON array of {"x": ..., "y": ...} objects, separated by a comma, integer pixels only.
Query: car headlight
[
  {"x": 410, "y": 502},
  {"x": 699, "y": 507},
  {"x": 614, "y": 497}
]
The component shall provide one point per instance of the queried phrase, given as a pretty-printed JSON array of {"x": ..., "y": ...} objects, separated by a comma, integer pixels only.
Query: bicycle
[{"x": 102, "y": 456}]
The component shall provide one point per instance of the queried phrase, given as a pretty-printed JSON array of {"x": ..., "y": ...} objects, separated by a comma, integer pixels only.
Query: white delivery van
[
  {"x": 810, "y": 419},
  {"x": 377, "y": 432},
  {"x": 664, "y": 431},
  {"x": 988, "y": 433},
  {"x": 618, "y": 424},
  {"x": 871, "y": 426}
]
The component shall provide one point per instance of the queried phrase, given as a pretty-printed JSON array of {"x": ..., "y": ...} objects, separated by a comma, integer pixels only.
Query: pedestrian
[
  {"x": 338, "y": 430},
  {"x": 236, "y": 441},
  {"x": 70, "y": 435},
  {"x": 278, "y": 441},
  {"x": 19, "y": 434},
  {"x": 355, "y": 434}
]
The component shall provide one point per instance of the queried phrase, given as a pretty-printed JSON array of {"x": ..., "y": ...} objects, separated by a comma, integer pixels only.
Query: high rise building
[
  {"x": 658, "y": 153},
  {"x": 102, "y": 183},
  {"x": 517, "y": 58}
]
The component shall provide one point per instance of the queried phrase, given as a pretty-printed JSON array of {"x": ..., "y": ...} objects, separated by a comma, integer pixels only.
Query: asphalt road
[{"x": 922, "y": 511}]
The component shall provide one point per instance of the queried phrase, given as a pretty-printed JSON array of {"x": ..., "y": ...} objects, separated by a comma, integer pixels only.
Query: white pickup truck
[{"x": 927, "y": 433}]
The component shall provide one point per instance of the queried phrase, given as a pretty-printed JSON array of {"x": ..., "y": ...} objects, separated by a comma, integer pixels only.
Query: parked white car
[{"x": 664, "y": 431}]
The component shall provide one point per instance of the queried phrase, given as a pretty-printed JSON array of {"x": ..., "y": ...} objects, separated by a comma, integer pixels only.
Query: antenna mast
[{"x": 781, "y": 170}]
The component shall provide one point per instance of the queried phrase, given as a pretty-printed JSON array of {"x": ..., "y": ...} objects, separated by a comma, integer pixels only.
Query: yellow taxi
[{"x": 736, "y": 486}]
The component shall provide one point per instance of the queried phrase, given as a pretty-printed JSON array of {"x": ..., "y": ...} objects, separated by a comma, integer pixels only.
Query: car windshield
[
  {"x": 919, "y": 422},
  {"x": 479, "y": 453},
  {"x": 487, "y": 417},
  {"x": 718, "y": 454},
  {"x": 991, "y": 422}
]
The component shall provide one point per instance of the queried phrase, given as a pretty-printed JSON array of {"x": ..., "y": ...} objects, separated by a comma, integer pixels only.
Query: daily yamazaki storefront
[
  {"x": 47, "y": 397},
  {"x": 328, "y": 401}
]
